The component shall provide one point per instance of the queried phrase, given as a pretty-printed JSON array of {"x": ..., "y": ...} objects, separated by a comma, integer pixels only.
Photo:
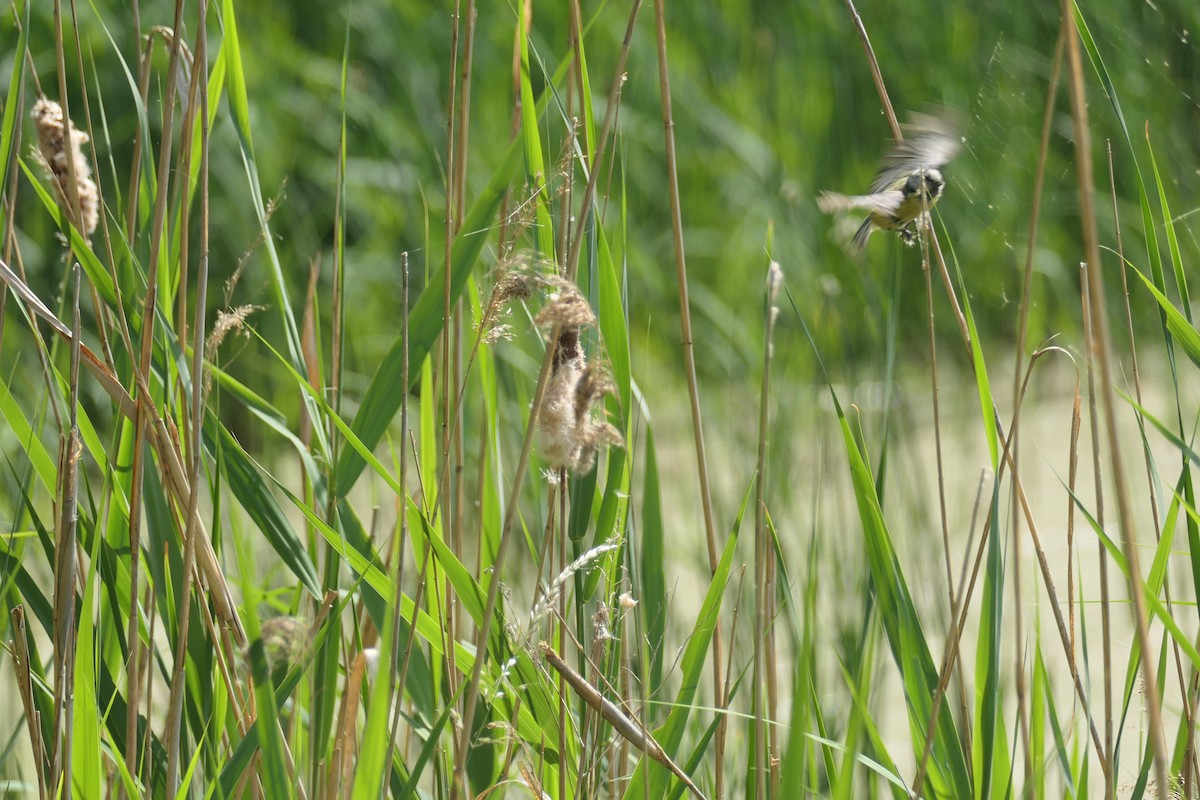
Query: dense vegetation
[{"x": 345, "y": 347}]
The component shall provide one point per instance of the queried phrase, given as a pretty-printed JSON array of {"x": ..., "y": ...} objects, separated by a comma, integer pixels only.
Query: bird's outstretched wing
[
  {"x": 930, "y": 142},
  {"x": 883, "y": 202}
]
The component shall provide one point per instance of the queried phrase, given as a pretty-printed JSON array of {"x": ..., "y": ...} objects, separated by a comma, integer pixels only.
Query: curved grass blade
[{"x": 948, "y": 774}]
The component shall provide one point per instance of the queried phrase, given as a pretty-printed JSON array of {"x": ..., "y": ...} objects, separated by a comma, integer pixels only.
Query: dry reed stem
[
  {"x": 66, "y": 566},
  {"x": 175, "y": 480},
  {"x": 1018, "y": 357},
  {"x": 950, "y": 655},
  {"x": 570, "y": 268},
  {"x": 764, "y": 553},
  {"x": 33, "y": 718},
  {"x": 689, "y": 358},
  {"x": 1003, "y": 438},
  {"x": 1102, "y": 347},
  {"x": 447, "y": 378},
  {"x": 396, "y": 681},
  {"x": 630, "y": 729},
  {"x": 1098, "y": 482},
  {"x": 175, "y": 707}
]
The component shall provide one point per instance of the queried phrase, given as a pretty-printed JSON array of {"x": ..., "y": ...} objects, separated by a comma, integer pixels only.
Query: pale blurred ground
[{"x": 810, "y": 495}]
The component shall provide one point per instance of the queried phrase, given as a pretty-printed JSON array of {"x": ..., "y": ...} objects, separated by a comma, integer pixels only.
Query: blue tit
[{"x": 908, "y": 184}]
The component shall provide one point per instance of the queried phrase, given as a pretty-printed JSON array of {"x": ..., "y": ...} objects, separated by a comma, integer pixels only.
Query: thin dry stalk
[
  {"x": 1072, "y": 478},
  {"x": 935, "y": 408},
  {"x": 1018, "y": 358},
  {"x": 33, "y": 718},
  {"x": 344, "y": 741},
  {"x": 720, "y": 738},
  {"x": 66, "y": 631},
  {"x": 951, "y": 653},
  {"x": 446, "y": 493},
  {"x": 395, "y": 687},
  {"x": 570, "y": 268},
  {"x": 482, "y": 635},
  {"x": 463, "y": 127},
  {"x": 1102, "y": 347},
  {"x": 66, "y": 569},
  {"x": 464, "y": 113},
  {"x": 561, "y": 540},
  {"x": 763, "y": 551},
  {"x": 1098, "y": 481},
  {"x": 630, "y": 729},
  {"x": 175, "y": 707},
  {"x": 689, "y": 358},
  {"x": 964, "y": 331}
]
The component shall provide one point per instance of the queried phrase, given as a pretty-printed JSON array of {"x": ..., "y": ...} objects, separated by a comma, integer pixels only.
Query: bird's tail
[{"x": 864, "y": 233}]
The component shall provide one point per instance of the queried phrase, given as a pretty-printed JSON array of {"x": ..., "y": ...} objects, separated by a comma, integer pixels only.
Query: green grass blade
[
  {"x": 10, "y": 121},
  {"x": 947, "y": 771},
  {"x": 656, "y": 779},
  {"x": 382, "y": 398},
  {"x": 651, "y": 567},
  {"x": 1178, "y": 325}
]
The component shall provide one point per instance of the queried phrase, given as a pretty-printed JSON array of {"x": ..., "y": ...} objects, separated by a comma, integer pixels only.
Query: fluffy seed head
[{"x": 58, "y": 141}]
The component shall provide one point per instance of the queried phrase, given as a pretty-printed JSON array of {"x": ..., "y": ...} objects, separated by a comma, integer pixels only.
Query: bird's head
[{"x": 927, "y": 183}]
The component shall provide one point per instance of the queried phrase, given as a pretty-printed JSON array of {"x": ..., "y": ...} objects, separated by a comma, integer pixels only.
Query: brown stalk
[
  {"x": 33, "y": 718},
  {"x": 571, "y": 267},
  {"x": 148, "y": 676},
  {"x": 763, "y": 551},
  {"x": 1098, "y": 480},
  {"x": 720, "y": 736},
  {"x": 66, "y": 565},
  {"x": 630, "y": 729},
  {"x": 458, "y": 380},
  {"x": 484, "y": 632},
  {"x": 1072, "y": 477},
  {"x": 66, "y": 568},
  {"x": 175, "y": 479},
  {"x": 689, "y": 358},
  {"x": 347, "y": 721},
  {"x": 143, "y": 408},
  {"x": 133, "y": 669},
  {"x": 1101, "y": 347},
  {"x": 446, "y": 492},
  {"x": 1105, "y": 608},
  {"x": 950, "y": 655},
  {"x": 935, "y": 408},
  {"x": 1018, "y": 358},
  {"x": 175, "y": 703},
  {"x": 1003, "y": 438},
  {"x": 395, "y": 686},
  {"x": 561, "y": 540}
]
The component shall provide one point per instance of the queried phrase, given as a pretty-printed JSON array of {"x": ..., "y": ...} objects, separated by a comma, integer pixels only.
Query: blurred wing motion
[
  {"x": 930, "y": 142},
  {"x": 908, "y": 183},
  {"x": 885, "y": 202}
]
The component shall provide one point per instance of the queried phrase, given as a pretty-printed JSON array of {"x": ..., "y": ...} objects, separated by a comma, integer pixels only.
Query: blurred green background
[{"x": 773, "y": 102}]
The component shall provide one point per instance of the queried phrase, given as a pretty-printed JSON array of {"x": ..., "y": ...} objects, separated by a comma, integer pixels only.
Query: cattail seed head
[{"x": 58, "y": 141}]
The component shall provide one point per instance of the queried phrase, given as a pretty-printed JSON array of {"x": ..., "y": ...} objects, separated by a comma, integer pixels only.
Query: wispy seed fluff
[
  {"x": 54, "y": 150},
  {"x": 569, "y": 434},
  {"x": 515, "y": 280}
]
